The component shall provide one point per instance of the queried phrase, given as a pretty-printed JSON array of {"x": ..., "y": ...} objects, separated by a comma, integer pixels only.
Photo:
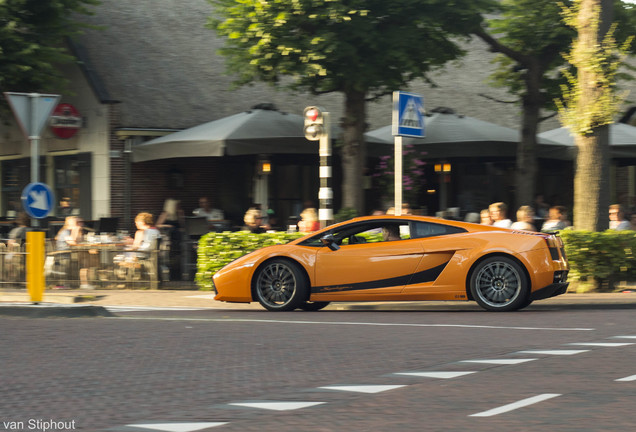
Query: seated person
[
  {"x": 254, "y": 221},
  {"x": 17, "y": 236},
  {"x": 146, "y": 236},
  {"x": 207, "y": 211},
  {"x": 391, "y": 233},
  {"x": 146, "y": 240},
  {"x": 309, "y": 220},
  {"x": 70, "y": 234}
]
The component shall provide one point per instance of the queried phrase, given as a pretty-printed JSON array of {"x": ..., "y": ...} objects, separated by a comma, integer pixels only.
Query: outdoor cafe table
[{"x": 98, "y": 260}]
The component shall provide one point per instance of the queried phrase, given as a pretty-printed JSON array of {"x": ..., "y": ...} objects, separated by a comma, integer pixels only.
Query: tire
[
  {"x": 500, "y": 284},
  {"x": 280, "y": 285},
  {"x": 310, "y": 306}
]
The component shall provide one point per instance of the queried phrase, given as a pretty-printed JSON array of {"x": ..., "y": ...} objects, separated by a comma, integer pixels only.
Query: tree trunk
[
  {"x": 353, "y": 150},
  {"x": 591, "y": 180},
  {"x": 526, "y": 172},
  {"x": 591, "y": 184}
]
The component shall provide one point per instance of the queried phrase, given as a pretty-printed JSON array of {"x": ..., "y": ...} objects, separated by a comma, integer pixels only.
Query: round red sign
[{"x": 65, "y": 121}]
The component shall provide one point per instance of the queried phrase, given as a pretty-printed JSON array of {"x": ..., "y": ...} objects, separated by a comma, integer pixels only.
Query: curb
[{"x": 54, "y": 311}]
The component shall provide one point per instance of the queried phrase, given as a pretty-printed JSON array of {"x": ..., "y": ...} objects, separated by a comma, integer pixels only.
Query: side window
[
  {"x": 425, "y": 229},
  {"x": 378, "y": 232},
  {"x": 369, "y": 232}
]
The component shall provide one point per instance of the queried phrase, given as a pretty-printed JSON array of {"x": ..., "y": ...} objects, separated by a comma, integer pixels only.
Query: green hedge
[
  {"x": 597, "y": 259},
  {"x": 219, "y": 249}
]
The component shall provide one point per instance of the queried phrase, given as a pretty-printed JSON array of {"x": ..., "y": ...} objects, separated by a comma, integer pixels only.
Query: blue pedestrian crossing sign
[
  {"x": 408, "y": 114},
  {"x": 37, "y": 200}
]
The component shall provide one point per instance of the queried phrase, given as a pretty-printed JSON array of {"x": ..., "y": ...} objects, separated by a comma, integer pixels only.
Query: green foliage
[
  {"x": 533, "y": 30},
  {"x": 345, "y": 214},
  {"x": 32, "y": 36},
  {"x": 368, "y": 46},
  {"x": 219, "y": 249},
  {"x": 600, "y": 63},
  {"x": 596, "y": 257}
]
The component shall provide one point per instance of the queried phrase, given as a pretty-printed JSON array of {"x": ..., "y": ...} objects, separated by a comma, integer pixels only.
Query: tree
[
  {"x": 530, "y": 45},
  {"x": 531, "y": 37},
  {"x": 32, "y": 36},
  {"x": 363, "y": 49},
  {"x": 589, "y": 105}
]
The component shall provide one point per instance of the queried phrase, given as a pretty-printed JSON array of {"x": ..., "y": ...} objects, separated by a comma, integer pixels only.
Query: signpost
[
  {"x": 32, "y": 111},
  {"x": 37, "y": 200},
  {"x": 317, "y": 128},
  {"x": 408, "y": 120}
]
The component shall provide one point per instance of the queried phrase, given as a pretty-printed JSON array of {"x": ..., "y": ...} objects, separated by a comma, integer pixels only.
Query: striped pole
[{"x": 325, "y": 195}]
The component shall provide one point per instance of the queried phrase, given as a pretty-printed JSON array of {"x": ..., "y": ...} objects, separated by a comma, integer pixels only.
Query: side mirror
[{"x": 330, "y": 241}]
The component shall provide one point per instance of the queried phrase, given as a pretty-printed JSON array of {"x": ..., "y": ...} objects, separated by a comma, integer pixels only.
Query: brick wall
[
  {"x": 117, "y": 164},
  {"x": 185, "y": 179}
]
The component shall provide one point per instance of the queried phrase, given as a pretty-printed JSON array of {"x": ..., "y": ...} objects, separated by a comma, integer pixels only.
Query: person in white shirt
[
  {"x": 205, "y": 210},
  {"x": 617, "y": 219},
  {"x": 525, "y": 217},
  {"x": 498, "y": 215}
]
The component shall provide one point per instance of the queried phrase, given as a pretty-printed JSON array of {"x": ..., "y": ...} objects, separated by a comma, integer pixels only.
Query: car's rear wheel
[
  {"x": 499, "y": 284},
  {"x": 313, "y": 306},
  {"x": 280, "y": 285}
]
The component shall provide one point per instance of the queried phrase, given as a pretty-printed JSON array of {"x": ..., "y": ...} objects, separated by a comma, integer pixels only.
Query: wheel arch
[
  {"x": 469, "y": 275},
  {"x": 272, "y": 258}
]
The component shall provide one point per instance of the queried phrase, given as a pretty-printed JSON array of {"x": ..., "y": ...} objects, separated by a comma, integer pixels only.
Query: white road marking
[
  {"x": 499, "y": 361},
  {"x": 363, "y": 388},
  {"x": 375, "y": 324},
  {"x": 624, "y": 337},
  {"x": 516, "y": 405},
  {"x": 277, "y": 406},
  {"x": 553, "y": 352},
  {"x": 440, "y": 375},
  {"x": 603, "y": 344},
  {"x": 177, "y": 427},
  {"x": 629, "y": 378}
]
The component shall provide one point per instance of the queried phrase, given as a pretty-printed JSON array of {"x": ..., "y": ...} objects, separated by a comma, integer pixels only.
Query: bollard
[{"x": 35, "y": 265}]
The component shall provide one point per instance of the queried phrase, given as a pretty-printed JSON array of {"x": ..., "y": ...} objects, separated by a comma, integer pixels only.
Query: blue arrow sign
[
  {"x": 408, "y": 114},
  {"x": 37, "y": 200}
]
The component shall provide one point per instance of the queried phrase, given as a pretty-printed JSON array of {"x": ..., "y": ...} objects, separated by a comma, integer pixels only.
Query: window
[
  {"x": 365, "y": 232},
  {"x": 426, "y": 229}
]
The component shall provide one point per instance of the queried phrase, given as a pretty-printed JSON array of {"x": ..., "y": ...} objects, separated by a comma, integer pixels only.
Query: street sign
[
  {"x": 32, "y": 110},
  {"x": 65, "y": 121},
  {"x": 37, "y": 200},
  {"x": 408, "y": 114}
]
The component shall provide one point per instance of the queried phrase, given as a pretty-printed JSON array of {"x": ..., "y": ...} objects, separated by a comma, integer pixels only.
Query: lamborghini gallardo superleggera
[{"x": 399, "y": 258}]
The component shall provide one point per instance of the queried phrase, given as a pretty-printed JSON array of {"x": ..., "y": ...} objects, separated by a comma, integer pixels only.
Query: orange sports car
[{"x": 384, "y": 258}]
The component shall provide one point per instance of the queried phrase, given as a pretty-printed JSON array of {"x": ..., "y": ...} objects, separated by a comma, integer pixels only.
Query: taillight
[{"x": 554, "y": 244}]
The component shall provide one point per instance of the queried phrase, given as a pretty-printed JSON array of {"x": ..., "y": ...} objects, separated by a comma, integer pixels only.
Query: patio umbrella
[
  {"x": 452, "y": 135},
  {"x": 260, "y": 130},
  {"x": 622, "y": 139}
]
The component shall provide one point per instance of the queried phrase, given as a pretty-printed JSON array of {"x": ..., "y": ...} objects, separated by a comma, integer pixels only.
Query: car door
[
  {"x": 372, "y": 267},
  {"x": 439, "y": 244}
]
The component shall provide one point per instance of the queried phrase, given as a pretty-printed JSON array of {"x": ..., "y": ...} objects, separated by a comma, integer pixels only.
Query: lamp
[
  {"x": 443, "y": 167},
  {"x": 264, "y": 167}
]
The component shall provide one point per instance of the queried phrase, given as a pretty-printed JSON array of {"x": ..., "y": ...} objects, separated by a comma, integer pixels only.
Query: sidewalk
[{"x": 205, "y": 299}]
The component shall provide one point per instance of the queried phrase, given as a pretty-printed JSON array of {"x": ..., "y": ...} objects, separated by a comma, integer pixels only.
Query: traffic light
[{"x": 314, "y": 123}]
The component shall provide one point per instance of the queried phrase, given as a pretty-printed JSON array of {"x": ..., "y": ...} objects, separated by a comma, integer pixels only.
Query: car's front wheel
[
  {"x": 280, "y": 285},
  {"x": 499, "y": 284}
]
